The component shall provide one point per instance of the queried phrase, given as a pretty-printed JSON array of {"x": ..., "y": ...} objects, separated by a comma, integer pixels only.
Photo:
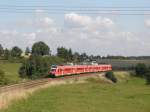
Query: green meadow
[
  {"x": 11, "y": 71},
  {"x": 130, "y": 95}
]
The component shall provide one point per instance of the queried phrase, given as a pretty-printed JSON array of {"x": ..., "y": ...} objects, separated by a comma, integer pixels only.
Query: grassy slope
[
  {"x": 11, "y": 70},
  {"x": 129, "y": 96}
]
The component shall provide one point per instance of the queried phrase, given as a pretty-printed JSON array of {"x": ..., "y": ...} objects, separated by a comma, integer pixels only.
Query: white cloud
[
  {"x": 43, "y": 23},
  {"x": 147, "y": 23},
  {"x": 105, "y": 22},
  {"x": 94, "y": 35},
  {"x": 76, "y": 19},
  {"x": 73, "y": 19},
  {"x": 46, "y": 21}
]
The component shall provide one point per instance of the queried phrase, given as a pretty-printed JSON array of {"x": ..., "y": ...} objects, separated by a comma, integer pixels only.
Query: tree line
[
  {"x": 36, "y": 61},
  {"x": 42, "y": 49},
  {"x": 7, "y": 54}
]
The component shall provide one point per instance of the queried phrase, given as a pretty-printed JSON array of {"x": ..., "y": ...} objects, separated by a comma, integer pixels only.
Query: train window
[{"x": 53, "y": 70}]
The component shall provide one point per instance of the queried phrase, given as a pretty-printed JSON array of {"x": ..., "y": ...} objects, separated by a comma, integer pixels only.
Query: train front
[{"x": 53, "y": 70}]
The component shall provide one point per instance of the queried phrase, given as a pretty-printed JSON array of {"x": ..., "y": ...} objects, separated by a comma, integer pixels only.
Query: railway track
[
  {"x": 25, "y": 85},
  {"x": 35, "y": 83}
]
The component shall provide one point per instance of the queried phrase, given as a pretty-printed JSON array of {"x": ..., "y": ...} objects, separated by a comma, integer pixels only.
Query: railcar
[{"x": 77, "y": 69}]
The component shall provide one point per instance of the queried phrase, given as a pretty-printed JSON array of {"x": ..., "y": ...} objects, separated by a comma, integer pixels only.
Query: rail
[
  {"x": 40, "y": 82},
  {"x": 24, "y": 85}
]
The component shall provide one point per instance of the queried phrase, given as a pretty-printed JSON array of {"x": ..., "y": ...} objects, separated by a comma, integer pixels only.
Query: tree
[
  {"x": 70, "y": 55},
  {"x": 16, "y": 52},
  {"x": 6, "y": 54},
  {"x": 141, "y": 69},
  {"x": 27, "y": 51},
  {"x": 1, "y": 50},
  {"x": 76, "y": 57},
  {"x": 37, "y": 66},
  {"x": 40, "y": 49},
  {"x": 62, "y": 53},
  {"x": 83, "y": 57},
  {"x": 65, "y": 53}
]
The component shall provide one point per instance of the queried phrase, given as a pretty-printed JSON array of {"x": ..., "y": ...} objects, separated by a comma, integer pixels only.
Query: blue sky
[
  {"x": 124, "y": 20},
  {"x": 123, "y": 27}
]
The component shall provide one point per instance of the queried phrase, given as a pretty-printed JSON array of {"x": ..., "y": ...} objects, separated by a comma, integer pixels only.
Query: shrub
[
  {"x": 110, "y": 75},
  {"x": 141, "y": 69}
]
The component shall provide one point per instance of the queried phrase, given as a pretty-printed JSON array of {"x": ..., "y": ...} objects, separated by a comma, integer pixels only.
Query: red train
[{"x": 78, "y": 69}]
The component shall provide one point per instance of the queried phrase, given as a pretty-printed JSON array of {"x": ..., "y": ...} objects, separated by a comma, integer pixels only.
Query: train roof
[{"x": 70, "y": 66}]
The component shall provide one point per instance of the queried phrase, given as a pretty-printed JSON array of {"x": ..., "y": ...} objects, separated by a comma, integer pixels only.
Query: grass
[
  {"x": 11, "y": 70},
  {"x": 129, "y": 96},
  {"x": 123, "y": 76}
]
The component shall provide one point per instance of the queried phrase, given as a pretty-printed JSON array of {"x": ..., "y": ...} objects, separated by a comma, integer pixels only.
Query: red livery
[{"x": 77, "y": 69}]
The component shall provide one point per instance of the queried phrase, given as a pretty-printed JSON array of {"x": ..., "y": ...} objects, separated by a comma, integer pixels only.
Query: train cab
[{"x": 53, "y": 69}]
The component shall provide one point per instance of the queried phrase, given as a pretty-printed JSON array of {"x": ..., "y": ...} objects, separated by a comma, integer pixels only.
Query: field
[
  {"x": 11, "y": 70},
  {"x": 131, "y": 95},
  {"x": 124, "y": 64}
]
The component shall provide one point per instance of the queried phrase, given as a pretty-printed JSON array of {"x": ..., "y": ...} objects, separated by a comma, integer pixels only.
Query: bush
[
  {"x": 141, "y": 69},
  {"x": 110, "y": 75}
]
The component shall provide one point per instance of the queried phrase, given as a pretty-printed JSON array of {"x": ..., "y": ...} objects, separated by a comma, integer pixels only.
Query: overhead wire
[{"x": 139, "y": 10}]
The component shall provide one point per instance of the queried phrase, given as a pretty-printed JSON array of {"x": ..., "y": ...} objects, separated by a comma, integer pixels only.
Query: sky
[{"x": 93, "y": 33}]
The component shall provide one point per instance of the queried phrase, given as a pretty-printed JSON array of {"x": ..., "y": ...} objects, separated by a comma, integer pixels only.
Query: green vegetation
[
  {"x": 16, "y": 52},
  {"x": 143, "y": 71},
  {"x": 3, "y": 79},
  {"x": 10, "y": 71},
  {"x": 64, "y": 53},
  {"x": 131, "y": 96},
  {"x": 40, "y": 49},
  {"x": 36, "y": 62},
  {"x": 38, "y": 66},
  {"x": 123, "y": 76},
  {"x": 110, "y": 75},
  {"x": 11, "y": 55},
  {"x": 124, "y": 64},
  {"x": 147, "y": 76},
  {"x": 1, "y": 50}
]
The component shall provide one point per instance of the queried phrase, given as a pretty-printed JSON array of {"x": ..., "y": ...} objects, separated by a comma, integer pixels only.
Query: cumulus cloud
[
  {"x": 82, "y": 33},
  {"x": 74, "y": 19}
]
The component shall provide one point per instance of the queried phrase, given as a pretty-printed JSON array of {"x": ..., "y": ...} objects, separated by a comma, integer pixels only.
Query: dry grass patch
[
  {"x": 122, "y": 75},
  {"x": 10, "y": 97}
]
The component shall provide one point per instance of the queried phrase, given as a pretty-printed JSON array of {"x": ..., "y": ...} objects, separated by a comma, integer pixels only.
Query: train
[{"x": 57, "y": 71}]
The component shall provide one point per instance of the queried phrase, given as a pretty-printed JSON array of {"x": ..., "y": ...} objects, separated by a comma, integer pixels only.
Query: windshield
[
  {"x": 52, "y": 70},
  {"x": 53, "y": 66}
]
